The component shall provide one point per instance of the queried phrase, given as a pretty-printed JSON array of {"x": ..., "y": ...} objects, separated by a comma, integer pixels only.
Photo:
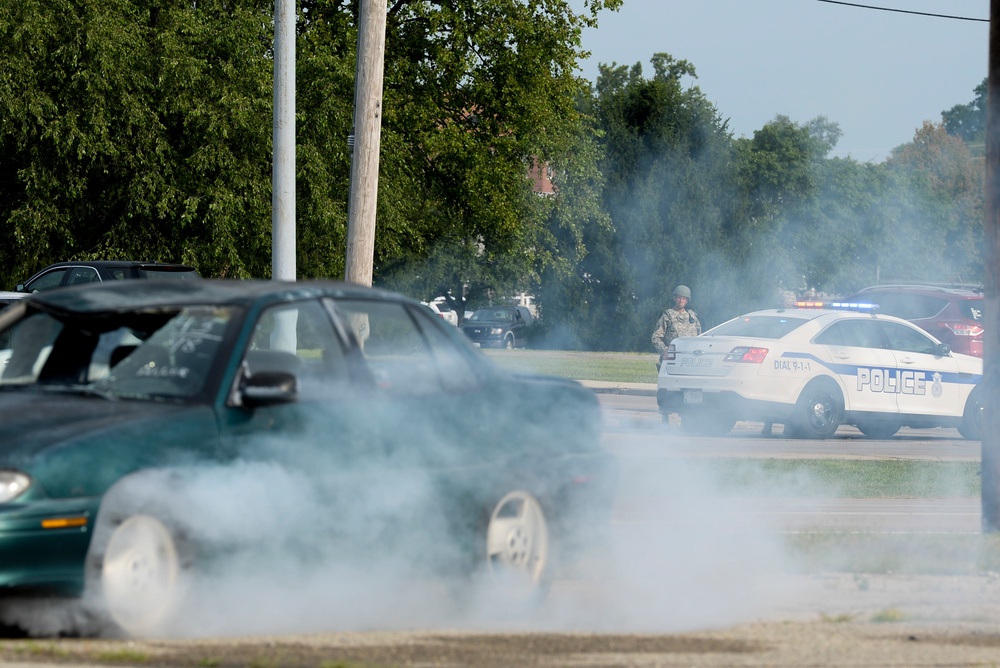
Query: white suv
[{"x": 441, "y": 308}]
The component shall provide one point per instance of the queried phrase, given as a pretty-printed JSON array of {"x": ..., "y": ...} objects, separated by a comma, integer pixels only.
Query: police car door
[
  {"x": 859, "y": 358},
  {"x": 924, "y": 380}
]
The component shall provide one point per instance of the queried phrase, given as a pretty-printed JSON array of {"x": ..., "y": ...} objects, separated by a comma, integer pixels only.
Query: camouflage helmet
[{"x": 682, "y": 291}]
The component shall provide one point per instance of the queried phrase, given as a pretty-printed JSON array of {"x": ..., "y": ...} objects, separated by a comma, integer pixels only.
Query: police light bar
[{"x": 841, "y": 306}]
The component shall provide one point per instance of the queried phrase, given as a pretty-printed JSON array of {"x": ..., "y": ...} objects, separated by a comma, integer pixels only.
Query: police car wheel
[
  {"x": 878, "y": 428},
  {"x": 819, "y": 410},
  {"x": 971, "y": 426}
]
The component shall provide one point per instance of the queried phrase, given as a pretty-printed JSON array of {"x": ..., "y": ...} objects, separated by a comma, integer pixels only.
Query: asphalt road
[{"x": 687, "y": 578}]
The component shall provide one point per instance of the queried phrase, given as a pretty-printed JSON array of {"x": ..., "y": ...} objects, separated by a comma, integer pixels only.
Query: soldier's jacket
[{"x": 672, "y": 324}]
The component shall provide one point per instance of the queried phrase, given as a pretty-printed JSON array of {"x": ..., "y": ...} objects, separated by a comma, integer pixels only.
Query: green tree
[
  {"x": 142, "y": 129},
  {"x": 940, "y": 196},
  {"x": 476, "y": 92},
  {"x": 968, "y": 121},
  {"x": 665, "y": 167},
  {"x": 134, "y": 129}
]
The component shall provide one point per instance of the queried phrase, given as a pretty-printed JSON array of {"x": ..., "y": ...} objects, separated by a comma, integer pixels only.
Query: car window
[
  {"x": 165, "y": 273},
  {"x": 972, "y": 308},
  {"x": 134, "y": 355},
  {"x": 906, "y": 305},
  {"x": 26, "y": 348},
  {"x": 79, "y": 275},
  {"x": 48, "y": 280},
  {"x": 396, "y": 351},
  {"x": 455, "y": 369},
  {"x": 175, "y": 360},
  {"x": 856, "y": 333},
  {"x": 492, "y": 315},
  {"x": 907, "y": 339},
  {"x": 758, "y": 326},
  {"x": 298, "y": 338}
]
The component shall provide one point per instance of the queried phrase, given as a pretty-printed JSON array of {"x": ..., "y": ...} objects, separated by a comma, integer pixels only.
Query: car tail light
[
  {"x": 962, "y": 329},
  {"x": 671, "y": 353},
  {"x": 746, "y": 354}
]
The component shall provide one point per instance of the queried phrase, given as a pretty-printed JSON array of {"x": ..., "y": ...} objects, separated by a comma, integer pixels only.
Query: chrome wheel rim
[{"x": 517, "y": 542}]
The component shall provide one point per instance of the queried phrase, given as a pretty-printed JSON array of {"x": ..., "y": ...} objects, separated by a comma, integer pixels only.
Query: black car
[
  {"x": 95, "y": 271},
  {"x": 157, "y": 435},
  {"x": 500, "y": 327}
]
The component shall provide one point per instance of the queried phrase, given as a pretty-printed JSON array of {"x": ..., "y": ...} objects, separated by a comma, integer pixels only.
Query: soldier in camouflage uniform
[{"x": 676, "y": 321}]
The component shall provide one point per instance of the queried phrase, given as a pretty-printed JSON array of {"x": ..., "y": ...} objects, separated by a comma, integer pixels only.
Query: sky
[{"x": 877, "y": 74}]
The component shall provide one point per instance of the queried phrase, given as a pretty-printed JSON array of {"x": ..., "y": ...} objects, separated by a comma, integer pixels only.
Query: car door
[
  {"x": 856, "y": 350},
  {"x": 297, "y": 338},
  {"x": 424, "y": 385},
  {"x": 925, "y": 381}
]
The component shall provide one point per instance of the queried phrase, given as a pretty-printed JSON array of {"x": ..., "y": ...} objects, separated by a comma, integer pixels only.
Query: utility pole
[
  {"x": 283, "y": 144},
  {"x": 363, "y": 196},
  {"x": 991, "y": 286}
]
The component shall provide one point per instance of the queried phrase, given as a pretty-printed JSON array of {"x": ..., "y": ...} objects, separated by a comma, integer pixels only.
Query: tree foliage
[
  {"x": 141, "y": 129},
  {"x": 968, "y": 121}
]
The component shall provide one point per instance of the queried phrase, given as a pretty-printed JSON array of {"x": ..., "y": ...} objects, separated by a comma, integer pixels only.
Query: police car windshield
[{"x": 758, "y": 326}]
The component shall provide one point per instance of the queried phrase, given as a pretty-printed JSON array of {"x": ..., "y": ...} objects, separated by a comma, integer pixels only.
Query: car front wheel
[
  {"x": 509, "y": 342},
  {"x": 139, "y": 574},
  {"x": 971, "y": 426},
  {"x": 518, "y": 552},
  {"x": 819, "y": 410}
]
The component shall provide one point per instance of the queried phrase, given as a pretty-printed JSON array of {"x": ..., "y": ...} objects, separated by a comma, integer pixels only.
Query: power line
[{"x": 904, "y": 11}]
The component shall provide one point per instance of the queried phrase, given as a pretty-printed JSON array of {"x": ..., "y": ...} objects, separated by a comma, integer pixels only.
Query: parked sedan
[
  {"x": 95, "y": 271},
  {"x": 129, "y": 408},
  {"x": 815, "y": 369}
]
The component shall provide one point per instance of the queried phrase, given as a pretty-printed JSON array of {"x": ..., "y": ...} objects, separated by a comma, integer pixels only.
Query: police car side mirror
[{"x": 942, "y": 350}]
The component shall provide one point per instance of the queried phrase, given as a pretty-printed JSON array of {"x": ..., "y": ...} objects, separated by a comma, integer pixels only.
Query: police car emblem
[{"x": 937, "y": 389}]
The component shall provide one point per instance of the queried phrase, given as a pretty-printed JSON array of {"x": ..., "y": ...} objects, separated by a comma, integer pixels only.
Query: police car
[{"x": 816, "y": 367}]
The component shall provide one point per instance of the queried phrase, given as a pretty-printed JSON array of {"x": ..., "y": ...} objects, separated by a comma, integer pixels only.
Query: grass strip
[
  {"x": 607, "y": 367},
  {"x": 847, "y": 478},
  {"x": 803, "y": 478}
]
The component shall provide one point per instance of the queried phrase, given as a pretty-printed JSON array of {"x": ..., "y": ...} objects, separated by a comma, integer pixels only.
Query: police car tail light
[
  {"x": 962, "y": 329},
  {"x": 746, "y": 354},
  {"x": 671, "y": 353}
]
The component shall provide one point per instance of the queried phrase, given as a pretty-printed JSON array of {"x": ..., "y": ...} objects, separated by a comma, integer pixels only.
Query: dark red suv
[{"x": 951, "y": 314}]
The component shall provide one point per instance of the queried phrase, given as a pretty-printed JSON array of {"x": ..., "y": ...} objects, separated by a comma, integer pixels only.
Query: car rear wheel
[
  {"x": 518, "y": 552},
  {"x": 878, "y": 428},
  {"x": 971, "y": 426},
  {"x": 819, "y": 410}
]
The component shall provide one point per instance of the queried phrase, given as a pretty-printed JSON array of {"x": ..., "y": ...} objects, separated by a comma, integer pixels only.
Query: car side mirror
[
  {"x": 19, "y": 288},
  {"x": 943, "y": 350},
  {"x": 268, "y": 388}
]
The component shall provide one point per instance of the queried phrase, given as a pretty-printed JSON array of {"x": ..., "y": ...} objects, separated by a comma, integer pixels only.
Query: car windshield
[
  {"x": 132, "y": 355},
  {"x": 758, "y": 326},
  {"x": 493, "y": 315}
]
